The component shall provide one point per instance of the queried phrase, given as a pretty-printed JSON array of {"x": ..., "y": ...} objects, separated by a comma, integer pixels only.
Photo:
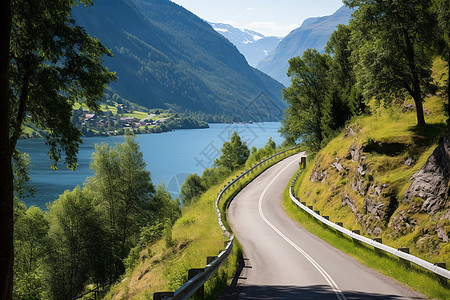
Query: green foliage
[
  {"x": 392, "y": 50},
  {"x": 234, "y": 153},
  {"x": 76, "y": 245},
  {"x": 442, "y": 10},
  {"x": 132, "y": 258},
  {"x": 53, "y": 64},
  {"x": 306, "y": 99},
  {"x": 92, "y": 234},
  {"x": 21, "y": 169},
  {"x": 167, "y": 210},
  {"x": 123, "y": 191},
  {"x": 191, "y": 189},
  {"x": 30, "y": 230},
  {"x": 150, "y": 234},
  {"x": 256, "y": 155}
]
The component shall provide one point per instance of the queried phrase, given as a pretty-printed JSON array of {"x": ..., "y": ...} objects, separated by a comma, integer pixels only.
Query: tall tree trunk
[
  {"x": 415, "y": 91},
  {"x": 419, "y": 111},
  {"x": 6, "y": 176}
]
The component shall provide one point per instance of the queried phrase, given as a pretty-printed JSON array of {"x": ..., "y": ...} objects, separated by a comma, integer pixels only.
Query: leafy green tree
[
  {"x": 136, "y": 193},
  {"x": 123, "y": 192},
  {"x": 47, "y": 63},
  {"x": 30, "y": 230},
  {"x": 342, "y": 78},
  {"x": 392, "y": 48},
  {"x": 234, "y": 153},
  {"x": 213, "y": 175},
  {"x": 164, "y": 207},
  {"x": 306, "y": 98},
  {"x": 442, "y": 10},
  {"x": 191, "y": 189},
  {"x": 75, "y": 246}
]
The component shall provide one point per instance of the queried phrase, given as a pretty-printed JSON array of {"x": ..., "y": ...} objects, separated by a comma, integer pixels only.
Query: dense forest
[{"x": 86, "y": 235}]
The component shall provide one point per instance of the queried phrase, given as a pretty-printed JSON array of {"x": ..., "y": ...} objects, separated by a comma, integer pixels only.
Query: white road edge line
[{"x": 327, "y": 277}]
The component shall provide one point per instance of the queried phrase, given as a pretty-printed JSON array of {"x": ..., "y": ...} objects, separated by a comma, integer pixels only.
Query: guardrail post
[
  {"x": 442, "y": 280},
  {"x": 326, "y": 218},
  {"x": 403, "y": 262},
  {"x": 317, "y": 212},
  {"x": 356, "y": 231},
  {"x": 163, "y": 296},
  {"x": 210, "y": 259},
  {"x": 310, "y": 207},
  {"x": 378, "y": 251},
  {"x": 191, "y": 274},
  {"x": 337, "y": 231}
]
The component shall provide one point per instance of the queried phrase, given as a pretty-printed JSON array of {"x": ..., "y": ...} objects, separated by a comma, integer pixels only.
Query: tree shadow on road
[{"x": 307, "y": 293}]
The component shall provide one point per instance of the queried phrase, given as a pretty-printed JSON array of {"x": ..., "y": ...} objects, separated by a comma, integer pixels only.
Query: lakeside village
[
  {"x": 107, "y": 123},
  {"x": 116, "y": 119}
]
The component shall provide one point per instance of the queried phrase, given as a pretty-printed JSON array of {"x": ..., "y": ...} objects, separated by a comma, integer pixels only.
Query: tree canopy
[
  {"x": 234, "y": 153},
  {"x": 392, "y": 53},
  {"x": 47, "y": 63}
]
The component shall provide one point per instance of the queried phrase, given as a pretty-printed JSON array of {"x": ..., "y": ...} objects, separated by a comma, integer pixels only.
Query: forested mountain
[
  {"x": 165, "y": 56},
  {"x": 253, "y": 45},
  {"x": 314, "y": 33}
]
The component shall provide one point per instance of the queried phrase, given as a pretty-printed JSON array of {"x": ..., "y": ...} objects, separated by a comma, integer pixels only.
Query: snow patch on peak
[{"x": 218, "y": 29}]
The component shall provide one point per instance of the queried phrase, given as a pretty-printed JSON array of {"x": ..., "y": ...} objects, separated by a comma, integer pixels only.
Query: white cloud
[{"x": 250, "y": 8}]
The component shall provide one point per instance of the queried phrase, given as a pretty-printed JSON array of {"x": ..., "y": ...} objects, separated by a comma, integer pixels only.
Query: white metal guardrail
[
  {"x": 403, "y": 255},
  {"x": 195, "y": 283}
]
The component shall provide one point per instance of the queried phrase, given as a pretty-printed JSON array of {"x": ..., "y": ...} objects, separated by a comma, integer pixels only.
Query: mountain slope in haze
[
  {"x": 165, "y": 56},
  {"x": 253, "y": 45},
  {"x": 314, "y": 33}
]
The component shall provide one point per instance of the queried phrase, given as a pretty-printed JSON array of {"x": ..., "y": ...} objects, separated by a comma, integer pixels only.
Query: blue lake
[{"x": 170, "y": 157}]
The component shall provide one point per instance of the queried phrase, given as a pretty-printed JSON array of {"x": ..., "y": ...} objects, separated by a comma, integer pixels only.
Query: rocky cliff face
[
  {"x": 359, "y": 182},
  {"x": 431, "y": 183}
]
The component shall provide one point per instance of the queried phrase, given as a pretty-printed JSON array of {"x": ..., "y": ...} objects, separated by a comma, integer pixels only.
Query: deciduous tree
[
  {"x": 306, "y": 98},
  {"x": 392, "y": 40},
  {"x": 47, "y": 63}
]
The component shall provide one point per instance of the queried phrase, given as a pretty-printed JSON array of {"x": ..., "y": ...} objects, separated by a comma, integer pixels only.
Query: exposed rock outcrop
[
  {"x": 319, "y": 175},
  {"x": 354, "y": 152},
  {"x": 431, "y": 182},
  {"x": 351, "y": 131},
  {"x": 347, "y": 201}
]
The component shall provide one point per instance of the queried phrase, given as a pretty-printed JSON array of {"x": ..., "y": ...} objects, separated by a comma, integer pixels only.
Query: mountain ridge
[
  {"x": 314, "y": 33},
  {"x": 253, "y": 45},
  {"x": 167, "y": 57}
]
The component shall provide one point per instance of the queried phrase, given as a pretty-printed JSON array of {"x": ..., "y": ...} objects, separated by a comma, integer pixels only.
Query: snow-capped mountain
[{"x": 253, "y": 45}]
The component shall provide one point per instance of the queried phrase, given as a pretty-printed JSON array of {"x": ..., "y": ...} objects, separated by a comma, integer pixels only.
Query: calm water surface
[{"x": 170, "y": 157}]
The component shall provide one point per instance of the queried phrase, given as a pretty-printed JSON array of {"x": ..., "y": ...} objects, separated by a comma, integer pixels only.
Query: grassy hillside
[
  {"x": 164, "y": 265},
  {"x": 361, "y": 176}
]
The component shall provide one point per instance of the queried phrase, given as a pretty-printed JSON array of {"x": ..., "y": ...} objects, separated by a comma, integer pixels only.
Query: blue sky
[{"x": 269, "y": 17}]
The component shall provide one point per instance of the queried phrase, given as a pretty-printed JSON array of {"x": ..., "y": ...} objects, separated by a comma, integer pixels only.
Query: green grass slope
[{"x": 361, "y": 176}]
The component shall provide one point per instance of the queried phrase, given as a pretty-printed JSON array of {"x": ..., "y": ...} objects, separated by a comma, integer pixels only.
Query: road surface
[{"x": 284, "y": 261}]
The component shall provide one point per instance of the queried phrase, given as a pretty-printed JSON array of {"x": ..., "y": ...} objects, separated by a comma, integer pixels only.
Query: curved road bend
[{"x": 284, "y": 261}]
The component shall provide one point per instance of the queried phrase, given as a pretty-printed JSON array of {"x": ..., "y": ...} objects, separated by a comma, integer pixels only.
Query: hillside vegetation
[
  {"x": 361, "y": 177},
  {"x": 165, "y": 56}
]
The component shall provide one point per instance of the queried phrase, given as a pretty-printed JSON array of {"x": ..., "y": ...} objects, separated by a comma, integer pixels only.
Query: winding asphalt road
[{"x": 284, "y": 261}]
